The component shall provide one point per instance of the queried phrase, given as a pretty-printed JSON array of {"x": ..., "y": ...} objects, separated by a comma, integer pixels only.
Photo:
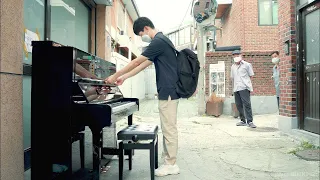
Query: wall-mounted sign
[
  {"x": 29, "y": 36},
  {"x": 217, "y": 79}
]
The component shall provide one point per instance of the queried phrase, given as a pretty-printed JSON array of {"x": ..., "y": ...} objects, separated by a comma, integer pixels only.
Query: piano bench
[
  {"x": 138, "y": 137},
  {"x": 80, "y": 137}
]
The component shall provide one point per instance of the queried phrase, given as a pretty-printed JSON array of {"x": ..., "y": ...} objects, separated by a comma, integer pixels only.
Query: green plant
[{"x": 304, "y": 145}]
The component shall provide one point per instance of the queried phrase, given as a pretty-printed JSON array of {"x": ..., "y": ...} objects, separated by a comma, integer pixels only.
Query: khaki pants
[{"x": 168, "y": 118}]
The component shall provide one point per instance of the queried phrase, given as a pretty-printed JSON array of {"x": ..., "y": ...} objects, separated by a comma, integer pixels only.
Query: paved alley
[{"x": 215, "y": 149}]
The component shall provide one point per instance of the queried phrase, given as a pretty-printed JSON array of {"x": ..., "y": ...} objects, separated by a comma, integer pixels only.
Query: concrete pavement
[{"x": 214, "y": 148}]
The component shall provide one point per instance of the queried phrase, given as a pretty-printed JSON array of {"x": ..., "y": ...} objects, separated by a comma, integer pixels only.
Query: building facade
[
  {"x": 89, "y": 25},
  {"x": 258, "y": 27},
  {"x": 300, "y": 65},
  {"x": 183, "y": 37},
  {"x": 122, "y": 45},
  {"x": 251, "y": 24}
]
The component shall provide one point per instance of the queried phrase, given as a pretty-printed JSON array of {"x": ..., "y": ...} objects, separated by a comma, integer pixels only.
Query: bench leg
[
  {"x": 156, "y": 154},
  {"x": 121, "y": 160},
  {"x": 152, "y": 161},
  {"x": 82, "y": 150},
  {"x": 130, "y": 158}
]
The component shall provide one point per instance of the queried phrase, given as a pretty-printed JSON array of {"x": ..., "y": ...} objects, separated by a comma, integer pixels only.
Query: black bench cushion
[{"x": 143, "y": 132}]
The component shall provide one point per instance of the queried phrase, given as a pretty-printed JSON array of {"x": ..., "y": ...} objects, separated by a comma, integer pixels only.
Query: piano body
[{"x": 62, "y": 105}]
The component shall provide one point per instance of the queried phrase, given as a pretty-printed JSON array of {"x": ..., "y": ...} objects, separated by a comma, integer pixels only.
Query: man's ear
[{"x": 146, "y": 28}]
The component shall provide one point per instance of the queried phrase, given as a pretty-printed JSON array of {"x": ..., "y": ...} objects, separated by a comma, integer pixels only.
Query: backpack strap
[{"x": 169, "y": 43}]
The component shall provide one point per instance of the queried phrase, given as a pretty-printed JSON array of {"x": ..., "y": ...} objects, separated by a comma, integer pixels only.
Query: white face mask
[
  {"x": 146, "y": 38},
  {"x": 237, "y": 59},
  {"x": 275, "y": 60}
]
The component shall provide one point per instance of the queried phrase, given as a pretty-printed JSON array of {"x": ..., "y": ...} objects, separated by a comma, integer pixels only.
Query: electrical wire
[{"x": 185, "y": 14}]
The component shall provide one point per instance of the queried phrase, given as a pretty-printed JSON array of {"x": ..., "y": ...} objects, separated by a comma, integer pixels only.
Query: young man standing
[
  {"x": 241, "y": 73},
  {"x": 164, "y": 59},
  {"x": 276, "y": 73}
]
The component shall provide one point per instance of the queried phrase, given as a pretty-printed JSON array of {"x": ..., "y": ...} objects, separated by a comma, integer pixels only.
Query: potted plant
[{"x": 214, "y": 105}]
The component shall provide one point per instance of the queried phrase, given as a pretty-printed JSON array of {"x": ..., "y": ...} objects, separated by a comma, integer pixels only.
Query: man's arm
[
  {"x": 250, "y": 70},
  {"x": 132, "y": 65},
  {"x": 138, "y": 69}
]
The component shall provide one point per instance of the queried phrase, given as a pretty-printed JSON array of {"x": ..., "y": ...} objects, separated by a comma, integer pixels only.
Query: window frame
[
  {"x": 259, "y": 14},
  {"x": 47, "y": 23}
]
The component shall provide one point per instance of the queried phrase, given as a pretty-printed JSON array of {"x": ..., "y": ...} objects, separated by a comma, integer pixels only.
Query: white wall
[
  {"x": 150, "y": 82},
  {"x": 132, "y": 87}
]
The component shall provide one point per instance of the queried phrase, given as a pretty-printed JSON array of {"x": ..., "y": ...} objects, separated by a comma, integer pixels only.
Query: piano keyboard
[{"x": 119, "y": 106}]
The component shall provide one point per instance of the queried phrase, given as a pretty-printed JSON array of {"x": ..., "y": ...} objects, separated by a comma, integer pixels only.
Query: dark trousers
[
  {"x": 278, "y": 99},
  {"x": 243, "y": 101}
]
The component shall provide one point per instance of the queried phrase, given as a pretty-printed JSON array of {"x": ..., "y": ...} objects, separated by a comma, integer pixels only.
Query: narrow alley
[{"x": 214, "y": 148}]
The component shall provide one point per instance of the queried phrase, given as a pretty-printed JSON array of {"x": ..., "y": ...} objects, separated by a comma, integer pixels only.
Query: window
[
  {"x": 207, "y": 5},
  {"x": 177, "y": 38},
  {"x": 187, "y": 35},
  {"x": 181, "y": 36},
  {"x": 33, "y": 30},
  {"x": 268, "y": 12},
  {"x": 121, "y": 16},
  {"x": 70, "y": 23},
  {"x": 174, "y": 39},
  {"x": 302, "y": 2},
  {"x": 33, "y": 26}
]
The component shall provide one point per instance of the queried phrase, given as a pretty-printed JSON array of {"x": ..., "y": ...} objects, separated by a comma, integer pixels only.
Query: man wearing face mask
[
  {"x": 241, "y": 73},
  {"x": 276, "y": 73},
  {"x": 164, "y": 58}
]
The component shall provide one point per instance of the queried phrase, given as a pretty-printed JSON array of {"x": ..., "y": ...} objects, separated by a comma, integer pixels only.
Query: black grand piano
[{"x": 63, "y": 104}]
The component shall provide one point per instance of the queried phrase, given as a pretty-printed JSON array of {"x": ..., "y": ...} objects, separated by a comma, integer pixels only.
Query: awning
[{"x": 223, "y": 6}]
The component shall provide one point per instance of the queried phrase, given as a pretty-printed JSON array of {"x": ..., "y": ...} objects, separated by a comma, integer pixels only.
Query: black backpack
[{"x": 188, "y": 71}]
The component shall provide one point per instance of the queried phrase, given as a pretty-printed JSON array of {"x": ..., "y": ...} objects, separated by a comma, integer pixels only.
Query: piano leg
[{"x": 96, "y": 154}]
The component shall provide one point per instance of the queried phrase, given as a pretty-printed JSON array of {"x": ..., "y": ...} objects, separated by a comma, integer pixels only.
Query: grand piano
[{"x": 63, "y": 104}]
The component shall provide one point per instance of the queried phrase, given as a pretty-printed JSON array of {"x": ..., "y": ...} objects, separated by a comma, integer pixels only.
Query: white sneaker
[{"x": 167, "y": 169}]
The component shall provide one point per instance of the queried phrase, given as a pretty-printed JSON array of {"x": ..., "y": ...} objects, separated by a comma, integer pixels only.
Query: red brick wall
[
  {"x": 287, "y": 28},
  {"x": 262, "y": 67},
  {"x": 240, "y": 27},
  {"x": 232, "y": 28}
]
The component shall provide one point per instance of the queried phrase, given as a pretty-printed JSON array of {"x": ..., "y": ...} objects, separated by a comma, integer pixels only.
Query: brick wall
[
  {"x": 240, "y": 27},
  {"x": 231, "y": 33},
  {"x": 287, "y": 29},
  {"x": 261, "y": 62}
]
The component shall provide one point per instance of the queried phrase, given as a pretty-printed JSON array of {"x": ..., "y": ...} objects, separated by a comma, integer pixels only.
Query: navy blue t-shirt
[{"x": 165, "y": 62}]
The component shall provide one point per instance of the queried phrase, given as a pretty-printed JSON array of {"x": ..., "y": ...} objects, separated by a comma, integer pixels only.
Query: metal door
[{"x": 311, "y": 62}]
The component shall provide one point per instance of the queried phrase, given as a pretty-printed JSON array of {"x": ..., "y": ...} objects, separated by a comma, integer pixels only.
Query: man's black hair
[
  {"x": 140, "y": 23},
  {"x": 275, "y": 52}
]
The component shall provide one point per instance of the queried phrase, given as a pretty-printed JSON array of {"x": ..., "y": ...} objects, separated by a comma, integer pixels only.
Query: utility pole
[
  {"x": 201, "y": 57},
  {"x": 205, "y": 18}
]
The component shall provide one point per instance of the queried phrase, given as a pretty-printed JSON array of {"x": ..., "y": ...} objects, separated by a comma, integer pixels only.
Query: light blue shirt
[
  {"x": 240, "y": 74},
  {"x": 276, "y": 79}
]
